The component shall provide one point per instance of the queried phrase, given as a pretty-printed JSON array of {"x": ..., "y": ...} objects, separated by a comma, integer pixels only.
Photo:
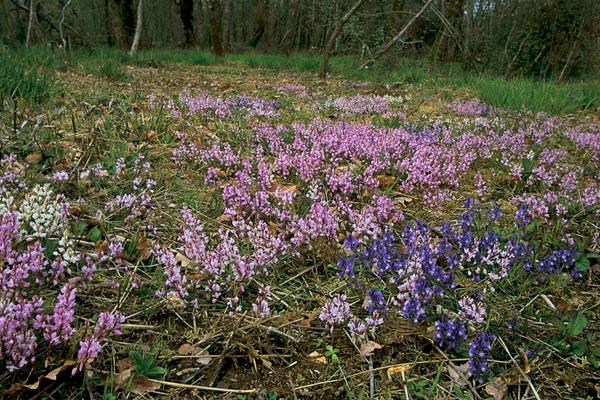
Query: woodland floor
[{"x": 290, "y": 353}]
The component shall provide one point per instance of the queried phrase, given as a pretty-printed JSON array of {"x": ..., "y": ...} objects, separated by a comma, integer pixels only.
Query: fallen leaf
[
  {"x": 144, "y": 248},
  {"x": 202, "y": 356},
  {"x": 525, "y": 361},
  {"x": 459, "y": 374},
  {"x": 318, "y": 357},
  {"x": 34, "y": 158},
  {"x": 51, "y": 376},
  {"x": 367, "y": 349},
  {"x": 124, "y": 363},
  {"x": 398, "y": 369},
  {"x": 185, "y": 349},
  {"x": 386, "y": 180},
  {"x": 142, "y": 385},
  {"x": 279, "y": 187},
  {"x": 497, "y": 388},
  {"x": 183, "y": 260}
]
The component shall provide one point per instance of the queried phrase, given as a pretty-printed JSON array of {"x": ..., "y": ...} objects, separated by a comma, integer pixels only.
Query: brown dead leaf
[
  {"x": 459, "y": 374},
  {"x": 318, "y": 357},
  {"x": 142, "y": 385},
  {"x": 386, "y": 180},
  {"x": 524, "y": 361},
  {"x": 276, "y": 186},
  {"x": 51, "y": 376},
  {"x": 367, "y": 349},
  {"x": 497, "y": 388},
  {"x": 144, "y": 248},
  {"x": 224, "y": 218},
  {"x": 124, "y": 363},
  {"x": 201, "y": 355},
  {"x": 399, "y": 369},
  {"x": 34, "y": 158},
  {"x": 183, "y": 260},
  {"x": 150, "y": 135}
]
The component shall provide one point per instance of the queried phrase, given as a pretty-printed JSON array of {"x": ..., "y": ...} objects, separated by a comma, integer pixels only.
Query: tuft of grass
[
  {"x": 25, "y": 77},
  {"x": 110, "y": 69},
  {"x": 549, "y": 97}
]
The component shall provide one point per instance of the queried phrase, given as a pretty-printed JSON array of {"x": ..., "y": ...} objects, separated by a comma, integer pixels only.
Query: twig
[
  {"x": 516, "y": 364},
  {"x": 207, "y": 388},
  {"x": 380, "y": 369}
]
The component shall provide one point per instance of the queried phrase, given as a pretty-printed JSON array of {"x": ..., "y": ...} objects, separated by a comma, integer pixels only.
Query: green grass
[
  {"x": 28, "y": 74},
  {"x": 549, "y": 97},
  {"x": 23, "y": 76}
]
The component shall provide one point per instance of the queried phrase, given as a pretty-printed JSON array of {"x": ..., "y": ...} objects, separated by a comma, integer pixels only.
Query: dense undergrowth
[{"x": 264, "y": 234}]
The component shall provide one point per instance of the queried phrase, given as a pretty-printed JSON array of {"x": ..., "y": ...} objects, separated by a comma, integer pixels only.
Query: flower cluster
[
  {"x": 479, "y": 350},
  {"x": 219, "y": 107},
  {"x": 421, "y": 271},
  {"x": 38, "y": 302},
  {"x": 471, "y": 108},
  {"x": 108, "y": 324}
]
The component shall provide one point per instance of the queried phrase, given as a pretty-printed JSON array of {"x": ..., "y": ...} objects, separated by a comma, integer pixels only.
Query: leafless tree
[
  {"x": 334, "y": 35},
  {"x": 138, "y": 28}
]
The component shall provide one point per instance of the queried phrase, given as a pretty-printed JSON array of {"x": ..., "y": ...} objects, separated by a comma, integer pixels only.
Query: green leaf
[
  {"x": 578, "y": 324},
  {"x": 582, "y": 264},
  {"x": 79, "y": 227},
  {"x": 95, "y": 234},
  {"x": 578, "y": 348}
]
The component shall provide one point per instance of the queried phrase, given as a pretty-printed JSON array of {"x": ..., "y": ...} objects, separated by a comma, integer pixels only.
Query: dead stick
[{"x": 207, "y": 388}]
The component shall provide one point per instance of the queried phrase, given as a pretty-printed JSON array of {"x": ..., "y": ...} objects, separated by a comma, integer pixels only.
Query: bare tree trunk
[
  {"x": 138, "y": 28},
  {"x": 216, "y": 28},
  {"x": 389, "y": 44},
  {"x": 450, "y": 35},
  {"x": 289, "y": 36},
  {"x": 60, "y": 27},
  {"x": 122, "y": 21},
  {"x": 259, "y": 22},
  {"x": 32, "y": 5},
  {"x": 395, "y": 20},
  {"x": 226, "y": 25},
  {"x": 177, "y": 23},
  {"x": 334, "y": 35}
]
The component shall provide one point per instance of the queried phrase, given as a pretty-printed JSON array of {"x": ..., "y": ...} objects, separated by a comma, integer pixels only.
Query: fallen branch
[{"x": 396, "y": 38}]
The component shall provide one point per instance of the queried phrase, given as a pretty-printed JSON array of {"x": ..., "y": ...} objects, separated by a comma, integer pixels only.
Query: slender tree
[
  {"x": 226, "y": 21},
  {"x": 216, "y": 27},
  {"x": 32, "y": 20},
  {"x": 334, "y": 35},
  {"x": 138, "y": 28},
  {"x": 448, "y": 45}
]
